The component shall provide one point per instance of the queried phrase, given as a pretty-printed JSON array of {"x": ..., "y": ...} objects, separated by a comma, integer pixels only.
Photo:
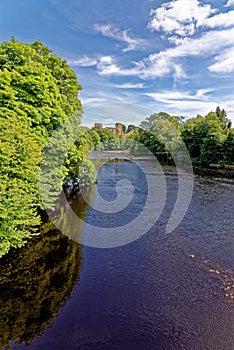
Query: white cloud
[
  {"x": 148, "y": 68},
  {"x": 110, "y": 31},
  {"x": 210, "y": 43},
  {"x": 84, "y": 61},
  {"x": 230, "y": 3},
  {"x": 168, "y": 95},
  {"x": 219, "y": 43},
  {"x": 91, "y": 100},
  {"x": 106, "y": 66},
  {"x": 202, "y": 92},
  {"x": 131, "y": 86},
  {"x": 109, "y": 121},
  {"x": 161, "y": 65},
  {"x": 221, "y": 20},
  {"x": 224, "y": 62},
  {"x": 179, "y": 17},
  {"x": 185, "y": 103}
]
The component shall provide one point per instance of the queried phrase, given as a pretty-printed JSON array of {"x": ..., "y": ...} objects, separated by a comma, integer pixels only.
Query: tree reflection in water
[{"x": 35, "y": 282}]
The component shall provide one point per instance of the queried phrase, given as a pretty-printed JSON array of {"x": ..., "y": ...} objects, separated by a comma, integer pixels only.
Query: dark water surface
[{"x": 163, "y": 291}]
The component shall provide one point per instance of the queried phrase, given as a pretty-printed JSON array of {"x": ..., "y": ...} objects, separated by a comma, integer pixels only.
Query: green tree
[
  {"x": 104, "y": 134},
  {"x": 160, "y": 133},
  {"x": 224, "y": 121},
  {"x": 229, "y": 148},
  {"x": 38, "y": 85},
  {"x": 149, "y": 123},
  {"x": 94, "y": 136},
  {"x": 204, "y": 138},
  {"x": 38, "y": 91},
  {"x": 212, "y": 150},
  {"x": 193, "y": 134},
  {"x": 19, "y": 159},
  {"x": 80, "y": 169}
]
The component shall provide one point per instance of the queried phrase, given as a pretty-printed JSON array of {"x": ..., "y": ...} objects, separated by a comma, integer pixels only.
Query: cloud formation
[
  {"x": 84, "y": 61},
  {"x": 130, "y": 86},
  {"x": 185, "y": 102},
  {"x": 188, "y": 43},
  {"x": 230, "y": 3},
  {"x": 179, "y": 17},
  {"x": 110, "y": 31},
  {"x": 148, "y": 68},
  {"x": 224, "y": 62},
  {"x": 221, "y": 20},
  {"x": 219, "y": 43}
]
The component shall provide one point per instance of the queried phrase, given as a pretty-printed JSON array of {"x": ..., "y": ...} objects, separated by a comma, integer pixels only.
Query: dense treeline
[
  {"x": 38, "y": 91},
  {"x": 209, "y": 139},
  {"x": 109, "y": 141}
]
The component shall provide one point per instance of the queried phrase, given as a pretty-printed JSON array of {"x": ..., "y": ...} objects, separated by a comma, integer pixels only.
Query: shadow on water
[{"x": 36, "y": 281}]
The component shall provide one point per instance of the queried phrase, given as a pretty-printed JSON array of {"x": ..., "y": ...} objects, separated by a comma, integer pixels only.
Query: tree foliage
[
  {"x": 208, "y": 139},
  {"x": 38, "y": 91},
  {"x": 37, "y": 85},
  {"x": 18, "y": 183}
]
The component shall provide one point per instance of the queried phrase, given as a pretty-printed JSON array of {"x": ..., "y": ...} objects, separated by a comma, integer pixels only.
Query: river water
[{"x": 162, "y": 291}]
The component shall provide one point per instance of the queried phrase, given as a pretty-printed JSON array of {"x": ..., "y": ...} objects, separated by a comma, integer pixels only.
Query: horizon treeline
[{"x": 209, "y": 139}]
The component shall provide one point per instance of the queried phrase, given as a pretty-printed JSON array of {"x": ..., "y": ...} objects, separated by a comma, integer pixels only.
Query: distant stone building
[
  {"x": 117, "y": 130},
  {"x": 98, "y": 126},
  {"x": 111, "y": 129}
]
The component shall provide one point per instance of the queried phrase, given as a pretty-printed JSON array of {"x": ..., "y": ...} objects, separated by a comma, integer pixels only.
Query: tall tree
[
  {"x": 38, "y": 91},
  {"x": 38, "y": 85},
  {"x": 19, "y": 159},
  {"x": 224, "y": 121},
  {"x": 204, "y": 138}
]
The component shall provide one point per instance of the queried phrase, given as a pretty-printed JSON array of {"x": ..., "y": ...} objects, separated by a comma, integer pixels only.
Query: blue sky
[{"x": 134, "y": 58}]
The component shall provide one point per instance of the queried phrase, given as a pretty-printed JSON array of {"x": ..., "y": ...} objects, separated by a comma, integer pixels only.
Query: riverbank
[
  {"x": 120, "y": 154},
  {"x": 219, "y": 171}
]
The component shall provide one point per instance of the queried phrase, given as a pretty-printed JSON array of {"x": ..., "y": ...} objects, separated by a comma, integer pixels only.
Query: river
[{"x": 162, "y": 291}]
